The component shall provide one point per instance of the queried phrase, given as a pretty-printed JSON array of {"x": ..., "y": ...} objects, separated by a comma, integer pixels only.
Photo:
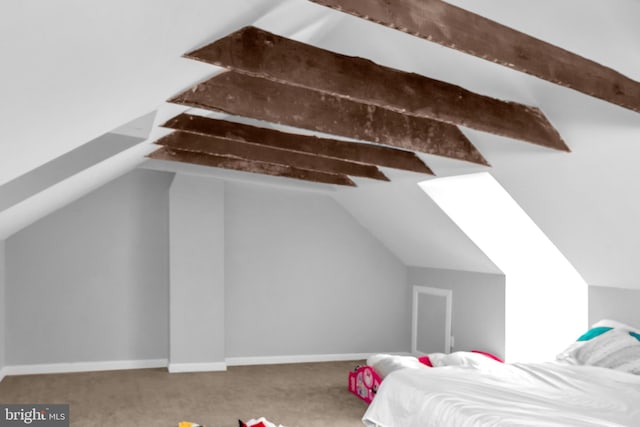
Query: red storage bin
[{"x": 364, "y": 382}]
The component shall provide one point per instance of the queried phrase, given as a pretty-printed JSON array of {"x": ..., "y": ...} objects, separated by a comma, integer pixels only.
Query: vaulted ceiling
[
  {"x": 284, "y": 81},
  {"x": 323, "y": 85}
]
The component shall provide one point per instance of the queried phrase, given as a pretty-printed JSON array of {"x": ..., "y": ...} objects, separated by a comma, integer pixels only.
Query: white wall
[
  {"x": 90, "y": 281},
  {"x": 583, "y": 201},
  {"x": 478, "y": 305},
  {"x": 614, "y": 303},
  {"x": 304, "y": 278},
  {"x": 412, "y": 225},
  {"x": 537, "y": 274},
  {"x": 197, "y": 331}
]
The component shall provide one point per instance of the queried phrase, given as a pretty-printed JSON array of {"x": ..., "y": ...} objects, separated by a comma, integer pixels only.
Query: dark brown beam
[
  {"x": 468, "y": 32},
  {"x": 197, "y": 143},
  {"x": 263, "y": 54},
  {"x": 252, "y": 166},
  {"x": 336, "y": 148},
  {"x": 263, "y": 99}
]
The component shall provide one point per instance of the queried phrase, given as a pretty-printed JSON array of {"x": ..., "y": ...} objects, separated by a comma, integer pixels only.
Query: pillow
[
  {"x": 425, "y": 360},
  {"x": 615, "y": 325},
  {"x": 384, "y": 364},
  {"x": 462, "y": 358},
  {"x": 594, "y": 332},
  {"x": 615, "y": 349},
  {"x": 599, "y": 328},
  {"x": 441, "y": 359},
  {"x": 489, "y": 355}
]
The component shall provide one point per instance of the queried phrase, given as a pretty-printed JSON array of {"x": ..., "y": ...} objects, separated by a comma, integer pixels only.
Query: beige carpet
[{"x": 304, "y": 395}]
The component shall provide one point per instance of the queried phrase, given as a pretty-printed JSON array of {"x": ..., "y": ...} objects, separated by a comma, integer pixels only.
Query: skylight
[{"x": 546, "y": 298}]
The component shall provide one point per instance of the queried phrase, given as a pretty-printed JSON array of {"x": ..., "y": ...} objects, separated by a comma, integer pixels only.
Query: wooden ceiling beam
[
  {"x": 252, "y": 166},
  {"x": 296, "y": 106},
  {"x": 347, "y": 150},
  {"x": 262, "y": 54},
  {"x": 457, "y": 28},
  {"x": 184, "y": 141}
]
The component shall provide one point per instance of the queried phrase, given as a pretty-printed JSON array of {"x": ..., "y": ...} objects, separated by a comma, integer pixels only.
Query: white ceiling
[{"x": 73, "y": 70}]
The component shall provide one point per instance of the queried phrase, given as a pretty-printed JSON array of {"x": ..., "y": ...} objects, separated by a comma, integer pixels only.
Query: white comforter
[{"x": 541, "y": 395}]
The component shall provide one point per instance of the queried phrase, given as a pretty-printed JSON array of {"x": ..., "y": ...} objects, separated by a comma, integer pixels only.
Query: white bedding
[{"x": 547, "y": 394}]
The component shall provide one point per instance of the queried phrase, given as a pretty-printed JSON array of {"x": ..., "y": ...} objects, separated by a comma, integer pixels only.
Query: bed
[{"x": 594, "y": 382}]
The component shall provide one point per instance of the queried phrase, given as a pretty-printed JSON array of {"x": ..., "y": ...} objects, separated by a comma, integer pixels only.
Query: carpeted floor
[{"x": 308, "y": 394}]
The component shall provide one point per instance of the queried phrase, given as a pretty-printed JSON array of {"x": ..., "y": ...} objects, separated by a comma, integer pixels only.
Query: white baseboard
[
  {"x": 197, "y": 367},
  {"x": 59, "y": 368},
  {"x": 303, "y": 358}
]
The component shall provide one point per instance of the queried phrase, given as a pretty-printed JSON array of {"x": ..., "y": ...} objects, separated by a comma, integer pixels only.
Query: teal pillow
[
  {"x": 594, "y": 332},
  {"x": 636, "y": 336}
]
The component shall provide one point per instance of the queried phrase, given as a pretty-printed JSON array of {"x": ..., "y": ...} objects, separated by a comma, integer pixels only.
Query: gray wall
[
  {"x": 303, "y": 277},
  {"x": 90, "y": 281},
  {"x": 196, "y": 302},
  {"x": 478, "y": 305},
  {"x": 2, "y": 305},
  {"x": 615, "y": 304}
]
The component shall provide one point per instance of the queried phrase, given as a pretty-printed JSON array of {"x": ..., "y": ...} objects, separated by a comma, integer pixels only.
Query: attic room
[{"x": 200, "y": 201}]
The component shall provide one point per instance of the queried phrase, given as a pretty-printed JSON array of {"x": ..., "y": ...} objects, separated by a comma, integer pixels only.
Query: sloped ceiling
[{"x": 74, "y": 71}]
